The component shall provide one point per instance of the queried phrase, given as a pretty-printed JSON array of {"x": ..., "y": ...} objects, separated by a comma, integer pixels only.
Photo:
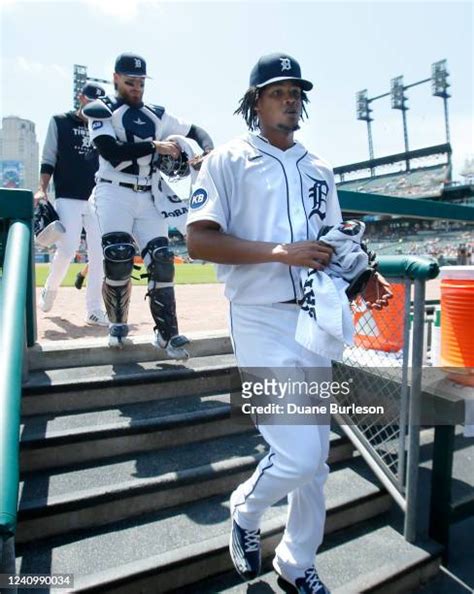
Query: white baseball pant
[
  {"x": 263, "y": 336},
  {"x": 74, "y": 215},
  {"x": 121, "y": 209}
]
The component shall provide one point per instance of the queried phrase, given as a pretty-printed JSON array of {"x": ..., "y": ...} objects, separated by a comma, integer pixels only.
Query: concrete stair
[
  {"x": 126, "y": 469},
  {"x": 371, "y": 557},
  {"x": 60, "y": 500},
  {"x": 88, "y": 352}
]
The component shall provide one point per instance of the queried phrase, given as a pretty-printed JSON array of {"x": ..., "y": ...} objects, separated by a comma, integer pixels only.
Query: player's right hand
[
  {"x": 313, "y": 254},
  {"x": 167, "y": 147}
]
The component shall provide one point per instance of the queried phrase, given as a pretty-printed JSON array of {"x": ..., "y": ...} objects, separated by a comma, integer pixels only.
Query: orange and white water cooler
[{"x": 457, "y": 323}]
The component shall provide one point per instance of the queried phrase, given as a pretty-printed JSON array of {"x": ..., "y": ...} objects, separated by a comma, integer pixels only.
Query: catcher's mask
[
  {"x": 174, "y": 168},
  {"x": 47, "y": 226}
]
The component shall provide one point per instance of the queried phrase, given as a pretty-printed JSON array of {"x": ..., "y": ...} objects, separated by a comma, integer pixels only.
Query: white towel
[
  {"x": 325, "y": 322},
  {"x": 168, "y": 204},
  {"x": 349, "y": 259}
]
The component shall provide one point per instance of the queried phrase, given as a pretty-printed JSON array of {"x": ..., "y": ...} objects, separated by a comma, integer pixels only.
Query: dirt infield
[{"x": 200, "y": 308}]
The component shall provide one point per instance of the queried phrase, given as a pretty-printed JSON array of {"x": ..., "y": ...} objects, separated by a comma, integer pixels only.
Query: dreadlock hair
[{"x": 247, "y": 107}]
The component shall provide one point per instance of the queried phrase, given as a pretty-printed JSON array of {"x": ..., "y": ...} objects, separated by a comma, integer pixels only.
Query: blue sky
[{"x": 200, "y": 55}]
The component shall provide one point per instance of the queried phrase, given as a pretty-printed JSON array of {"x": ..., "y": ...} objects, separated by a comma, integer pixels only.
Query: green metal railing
[{"x": 17, "y": 327}]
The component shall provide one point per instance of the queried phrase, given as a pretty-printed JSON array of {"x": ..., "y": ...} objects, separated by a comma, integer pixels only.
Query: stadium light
[
  {"x": 439, "y": 88},
  {"x": 362, "y": 106},
  {"x": 439, "y": 79},
  {"x": 397, "y": 94},
  {"x": 363, "y": 113},
  {"x": 80, "y": 79},
  {"x": 398, "y": 99}
]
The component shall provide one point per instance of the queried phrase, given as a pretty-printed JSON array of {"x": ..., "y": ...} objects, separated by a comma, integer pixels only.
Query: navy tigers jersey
[
  {"x": 111, "y": 116},
  {"x": 69, "y": 156}
]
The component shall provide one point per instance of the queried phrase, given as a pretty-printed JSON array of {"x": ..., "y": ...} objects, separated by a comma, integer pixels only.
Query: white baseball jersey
[
  {"x": 256, "y": 191},
  {"x": 112, "y": 117}
]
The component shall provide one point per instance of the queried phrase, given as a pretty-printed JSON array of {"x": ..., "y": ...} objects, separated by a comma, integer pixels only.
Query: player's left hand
[{"x": 377, "y": 292}]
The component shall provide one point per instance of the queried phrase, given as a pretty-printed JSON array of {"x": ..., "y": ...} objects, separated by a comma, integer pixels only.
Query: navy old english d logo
[{"x": 318, "y": 194}]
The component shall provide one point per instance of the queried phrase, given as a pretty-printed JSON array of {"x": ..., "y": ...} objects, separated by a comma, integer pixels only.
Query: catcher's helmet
[
  {"x": 47, "y": 226},
  {"x": 174, "y": 168}
]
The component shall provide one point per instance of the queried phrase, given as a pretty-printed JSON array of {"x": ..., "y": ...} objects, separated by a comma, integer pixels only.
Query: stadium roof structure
[{"x": 416, "y": 181}]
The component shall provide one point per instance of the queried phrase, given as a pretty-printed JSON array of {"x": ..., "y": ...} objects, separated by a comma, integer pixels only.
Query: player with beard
[{"x": 129, "y": 135}]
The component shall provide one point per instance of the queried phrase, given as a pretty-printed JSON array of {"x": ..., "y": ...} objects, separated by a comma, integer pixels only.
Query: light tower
[
  {"x": 79, "y": 80},
  {"x": 439, "y": 88},
  {"x": 363, "y": 113},
  {"x": 399, "y": 101}
]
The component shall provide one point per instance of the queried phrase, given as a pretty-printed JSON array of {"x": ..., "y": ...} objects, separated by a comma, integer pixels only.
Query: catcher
[{"x": 130, "y": 136}]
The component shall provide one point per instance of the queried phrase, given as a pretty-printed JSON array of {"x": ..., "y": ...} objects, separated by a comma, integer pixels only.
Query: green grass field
[{"x": 186, "y": 274}]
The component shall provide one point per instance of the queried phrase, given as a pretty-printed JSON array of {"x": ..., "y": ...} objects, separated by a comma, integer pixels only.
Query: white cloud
[
  {"x": 39, "y": 68},
  {"x": 123, "y": 10}
]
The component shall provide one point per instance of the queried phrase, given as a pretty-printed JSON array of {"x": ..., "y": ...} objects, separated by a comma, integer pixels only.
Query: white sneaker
[
  {"x": 173, "y": 347},
  {"x": 97, "y": 318},
  {"x": 47, "y": 298},
  {"x": 118, "y": 336}
]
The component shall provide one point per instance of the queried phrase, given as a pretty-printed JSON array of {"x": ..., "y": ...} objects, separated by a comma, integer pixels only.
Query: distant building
[{"x": 19, "y": 154}]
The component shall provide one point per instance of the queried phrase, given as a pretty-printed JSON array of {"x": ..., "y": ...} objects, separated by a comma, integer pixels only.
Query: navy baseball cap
[
  {"x": 276, "y": 67},
  {"x": 92, "y": 91},
  {"x": 131, "y": 65}
]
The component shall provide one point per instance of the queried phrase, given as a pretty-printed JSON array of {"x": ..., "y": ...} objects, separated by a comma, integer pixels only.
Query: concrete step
[
  {"x": 103, "y": 386},
  {"x": 179, "y": 546},
  {"x": 87, "y": 352},
  {"x": 53, "y": 442},
  {"x": 61, "y": 501},
  {"x": 371, "y": 558}
]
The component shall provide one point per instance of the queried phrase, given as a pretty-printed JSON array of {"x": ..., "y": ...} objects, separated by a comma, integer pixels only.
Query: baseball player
[
  {"x": 129, "y": 136},
  {"x": 70, "y": 159},
  {"x": 256, "y": 209}
]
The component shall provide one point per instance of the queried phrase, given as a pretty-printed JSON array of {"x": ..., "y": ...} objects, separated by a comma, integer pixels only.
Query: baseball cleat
[
  {"x": 97, "y": 318},
  {"x": 118, "y": 336},
  {"x": 174, "y": 347},
  {"x": 308, "y": 583},
  {"x": 245, "y": 551},
  {"x": 47, "y": 299},
  {"x": 78, "y": 283}
]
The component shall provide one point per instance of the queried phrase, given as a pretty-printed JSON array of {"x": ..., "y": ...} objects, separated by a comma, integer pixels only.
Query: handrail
[
  {"x": 412, "y": 267},
  {"x": 411, "y": 270},
  {"x": 13, "y": 293}
]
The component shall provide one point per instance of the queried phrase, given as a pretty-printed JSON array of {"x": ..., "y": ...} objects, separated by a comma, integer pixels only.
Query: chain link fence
[{"x": 384, "y": 367}]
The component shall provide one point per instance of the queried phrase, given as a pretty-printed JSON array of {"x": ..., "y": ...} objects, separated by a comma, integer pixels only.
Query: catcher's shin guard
[
  {"x": 159, "y": 260},
  {"x": 119, "y": 251}
]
